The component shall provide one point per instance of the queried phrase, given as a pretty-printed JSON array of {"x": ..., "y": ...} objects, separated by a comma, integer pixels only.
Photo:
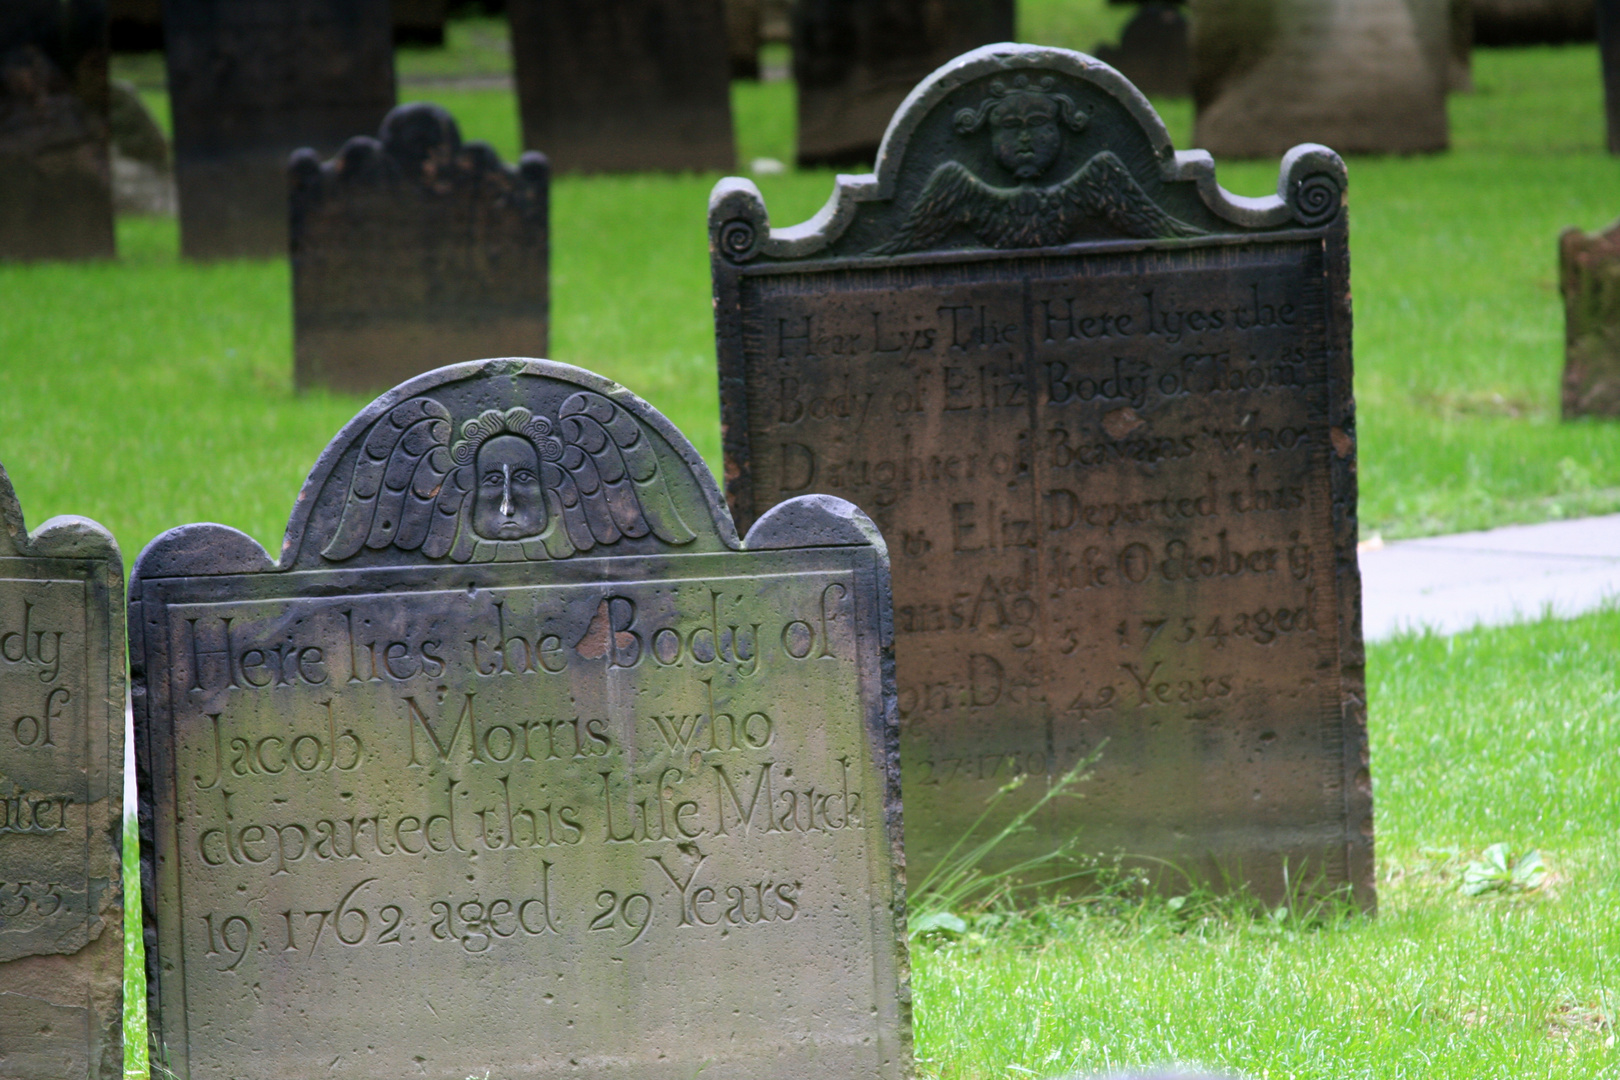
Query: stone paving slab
[{"x": 1454, "y": 583}]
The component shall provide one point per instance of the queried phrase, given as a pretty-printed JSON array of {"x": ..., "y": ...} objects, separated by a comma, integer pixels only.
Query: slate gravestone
[
  {"x": 855, "y": 60},
  {"x": 1589, "y": 273},
  {"x": 1152, "y": 51},
  {"x": 635, "y": 85},
  {"x": 250, "y": 81},
  {"x": 1101, "y": 411},
  {"x": 520, "y": 761},
  {"x": 55, "y": 179},
  {"x": 61, "y": 798},
  {"x": 412, "y": 247}
]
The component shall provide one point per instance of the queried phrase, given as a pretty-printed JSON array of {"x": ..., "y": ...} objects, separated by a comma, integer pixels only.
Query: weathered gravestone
[
  {"x": 1102, "y": 412},
  {"x": 1589, "y": 273},
  {"x": 520, "y": 761},
  {"x": 61, "y": 798},
  {"x": 412, "y": 247},
  {"x": 855, "y": 60},
  {"x": 55, "y": 180},
  {"x": 250, "y": 81},
  {"x": 624, "y": 87},
  {"x": 1152, "y": 51}
]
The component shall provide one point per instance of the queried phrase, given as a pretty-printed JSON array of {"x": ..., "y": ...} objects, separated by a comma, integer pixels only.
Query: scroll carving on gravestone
[
  {"x": 519, "y": 760},
  {"x": 55, "y": 176},
  {"x": 61, "y": 798},
  {"x": 632, "y": 86},
  {"x": 412, "y": 247},
  {"x": 1102, "y": 411},
  {"x": 1589, "y": 276},
  {"x": 249, "y": 83}
]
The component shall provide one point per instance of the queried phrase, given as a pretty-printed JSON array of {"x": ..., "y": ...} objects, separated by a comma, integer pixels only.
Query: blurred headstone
[
  {"x": 520, "y": 761},
  {"x": 855, "y": 60},
  {"x": 411, "y": 248},
  {"x": 1608, "y": 24},
  {"x": 135, "y": 25},
  {"x": 250, "y": 81},
  {"x": 1102, "y": 413},
  {"x": 1460, "y": 71},
  {"x": 1533, "y": 22},
  {"x": 1589, "y": 276},
  {"x": 61, "y": 798},
  {"x": 743, "y": 37},
  {"x": 420, "y": 22},
  {"x": 1152, "y": 51},
  {"x": 143, "y": 172},
  {"x": 55, "y": 177},
  {"x": 628, "y": 86},
  {"x": 1362, "y": 76}
]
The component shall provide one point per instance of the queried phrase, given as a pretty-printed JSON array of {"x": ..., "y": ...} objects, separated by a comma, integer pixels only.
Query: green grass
[{"x": 1499, "y": 735}]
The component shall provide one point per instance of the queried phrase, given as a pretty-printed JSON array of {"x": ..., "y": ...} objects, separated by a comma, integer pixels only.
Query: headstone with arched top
[
  {"x": 1101, "y": 410},
  {"x": 520, "y": 760}
]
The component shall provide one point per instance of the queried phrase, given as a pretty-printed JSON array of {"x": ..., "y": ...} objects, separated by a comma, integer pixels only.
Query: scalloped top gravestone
[
  {"x": 1589, "y": 277},
  {"x": 520, "y": 761},
  {"x": 627, "y": 86},
  {"x": 250, "y": 81},
  {"x": 61, "y": 798},
  {"x": 55, "y": 174},
  {"x": 1101, "y": 410},
  {"x": 413, "y": 247}
]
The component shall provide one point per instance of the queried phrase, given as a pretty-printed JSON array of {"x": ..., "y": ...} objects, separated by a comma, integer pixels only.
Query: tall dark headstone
[
  {"x": 1102, "y": 412},
  {"x": 411, "y": 248},
  {"x": 55, "y": 175},
  {"x": 61, "y": 798},
  {"x": 519, "y": 760},
  {"x": 420, "y": 22},
  {"x": 1608, "y": 25},
  {"x": 1152, "y": 51},
  {"x": 855, "y": 60},
  {"x": 1589, "y": 274},
  {"x": 250, "y": 81},
  {"x": 135, "y": 25},
  {"x": 630, "y": 86},
  {"x": 1533, "y": 22}
]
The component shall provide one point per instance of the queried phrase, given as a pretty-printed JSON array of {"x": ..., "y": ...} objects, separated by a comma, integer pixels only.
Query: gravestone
[
  {"x": 1101, "y": 411},
  {"x": 1608, "y": 27},
  {"x": 1363, "y": 76},
  {"x": 55, "y": 180},
  {"x": 135, "y": 25},
  {"x": 420, "y": 22},
  {"x": 61, "y": 798},
  {"x": 1533, "y": 22},
  {"x": 249, "y": 83},
  {"x": 1152, "y": 51},
  {"x": 743, "y": 22},
  {"x": 635, "y": 85},
  {"x": 413, "y": 247},
  {"x": 520, "y": 761},
  {"x": 855, "y": 60},
  {"x": 1589, "y": 275}
]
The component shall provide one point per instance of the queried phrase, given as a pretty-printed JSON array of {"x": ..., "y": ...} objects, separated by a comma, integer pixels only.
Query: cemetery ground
[{"x": 148, "y": 393}]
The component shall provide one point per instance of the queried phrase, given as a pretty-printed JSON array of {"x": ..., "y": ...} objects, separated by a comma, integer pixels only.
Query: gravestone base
[{"x": 361, "y": 356}]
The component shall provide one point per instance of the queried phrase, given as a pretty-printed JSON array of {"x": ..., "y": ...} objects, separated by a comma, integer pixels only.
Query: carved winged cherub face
[
  {"x": 508, "y": 503},
  {"x": 1025, "y": 134}
]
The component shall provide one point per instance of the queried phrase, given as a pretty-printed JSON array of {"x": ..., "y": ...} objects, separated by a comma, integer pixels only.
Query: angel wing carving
[
  {"x": 514, "y": 486},
  {"x": 1028, "y": 215}
]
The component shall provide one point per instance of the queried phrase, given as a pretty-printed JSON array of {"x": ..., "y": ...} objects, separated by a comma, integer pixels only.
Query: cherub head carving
[
  {"x": 1024, "y": 121},
  {"x": 514, "y": 486}
]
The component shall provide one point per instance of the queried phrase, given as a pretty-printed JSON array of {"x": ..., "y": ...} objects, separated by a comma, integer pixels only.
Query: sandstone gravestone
[
  {"x": 855, "y": 60},
  {"x": 520, "y": 761},
  {"x": 55, "y": 180},
  {"x": 61, "y": 798},
  {"x": 635, "y": 85},
  {"x": 1589, "y": 273},
  {"x": 249, "y": 83},
  {"x": 413, "y": 247},
  {"x": 1152, "y": 51},
  {"x": 1102, "y": 412},
  {"x": 1364, "y": 76}
]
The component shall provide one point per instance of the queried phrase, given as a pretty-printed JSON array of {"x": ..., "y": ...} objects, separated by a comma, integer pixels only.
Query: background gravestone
[
  {"x": 520, "y": 761},
  {"x": 61, "y": 798},
  {"x": 1364, "y": 76},
  {"x": 1152, "y": 51},
  {"x": 55, "y": 180},
  {"x": 1533, "y": 22},
  {"x": 855, "y": 60},
  {"x": 624, "y": 87},
  {"x": 1589, "y": 273},
  {"x": 249, "y": 83},
  {"x": 420, "y": 22},
  {"x": 1102, "y": 413},
  {"x": 413, "y": 247}
]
